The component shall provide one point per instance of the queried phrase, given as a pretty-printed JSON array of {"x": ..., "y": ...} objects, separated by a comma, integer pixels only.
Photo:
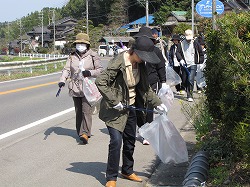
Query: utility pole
[
  {"x": 214, "y": 14},
  {"x": 147, "y": 24},
  {"x": 87, "y": 16},
  {"x": 54, "y": 28},
  {"x": 41, "y": 14},
  {"x": 21, "y": 44},
  {"x": 193, "y": 16}
]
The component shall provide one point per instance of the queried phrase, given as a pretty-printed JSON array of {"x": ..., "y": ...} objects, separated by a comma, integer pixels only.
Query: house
[
  {"x": 133, "y": 27},
  {"x": 36, "y": 35},
  {"x": 117, "y": 40},
  {"x": 175, "y": 18},
  {"x": 236, "y": 5},
  {"x": 63, "y": 28}
]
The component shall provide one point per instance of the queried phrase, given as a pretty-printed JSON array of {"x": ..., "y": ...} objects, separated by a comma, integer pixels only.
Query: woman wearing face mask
[{"x": 83, "y": 62}]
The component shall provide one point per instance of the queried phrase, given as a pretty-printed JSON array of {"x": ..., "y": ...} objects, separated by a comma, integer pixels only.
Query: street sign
[{"x": 204, "y": 8}]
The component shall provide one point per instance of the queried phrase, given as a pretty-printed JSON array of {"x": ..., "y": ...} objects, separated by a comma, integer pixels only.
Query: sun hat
[
  {"x": 144, "y": 48},
  {"x": 189, "y": 34},
  {"x": 144, "y": 31},
  {"x": 176, "y": 37},
  {"x": 82, "y": 38}
]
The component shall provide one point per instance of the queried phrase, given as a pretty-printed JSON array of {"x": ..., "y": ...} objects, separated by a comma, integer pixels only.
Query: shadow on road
[
  {"x": 61, "y": 131},
  {"x": 94, "y": 169}
]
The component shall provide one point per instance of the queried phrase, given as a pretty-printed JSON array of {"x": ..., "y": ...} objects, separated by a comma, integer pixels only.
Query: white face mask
[{"x": 81, "y": 47}]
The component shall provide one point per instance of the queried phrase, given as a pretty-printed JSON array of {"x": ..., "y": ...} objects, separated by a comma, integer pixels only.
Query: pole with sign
[{"x": 205, "y": 8}]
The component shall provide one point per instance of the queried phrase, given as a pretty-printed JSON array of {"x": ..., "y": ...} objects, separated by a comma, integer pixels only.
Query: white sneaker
[
  {"x": 199, "y": 92},
  {"x": 190, "y": 99},
  {"x": 145, "y": 142}
]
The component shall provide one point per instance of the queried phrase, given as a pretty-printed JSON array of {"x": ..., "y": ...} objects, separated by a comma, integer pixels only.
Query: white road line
[
  {"x": 30, "y": 77},
  {"x": 10, "y": 133}
]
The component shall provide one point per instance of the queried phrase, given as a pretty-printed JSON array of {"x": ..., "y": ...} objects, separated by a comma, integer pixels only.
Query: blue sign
[{"x": 204, "y": 8}]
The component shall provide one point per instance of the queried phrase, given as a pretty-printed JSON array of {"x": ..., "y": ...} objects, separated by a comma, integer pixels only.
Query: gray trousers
[{"x": 83, "y": 116}]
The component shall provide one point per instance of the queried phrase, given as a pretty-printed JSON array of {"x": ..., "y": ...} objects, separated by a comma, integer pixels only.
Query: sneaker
[
  {"x": 190, "y": 99},
  {"x": 145, "y": 142},
  {"x": 199, "y": 92}
]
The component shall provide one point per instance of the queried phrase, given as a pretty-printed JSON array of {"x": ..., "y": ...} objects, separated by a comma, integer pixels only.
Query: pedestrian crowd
[{"x": 129, "y": 88}]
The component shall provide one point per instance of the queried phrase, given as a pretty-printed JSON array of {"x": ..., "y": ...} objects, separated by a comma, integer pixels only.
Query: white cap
[{"x": 189, "y": 34}]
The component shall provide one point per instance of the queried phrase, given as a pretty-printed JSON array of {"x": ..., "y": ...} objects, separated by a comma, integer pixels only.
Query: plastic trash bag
[
  {"x": 91, "y": 91},
  {"x": 200, "y": 77},
  {"x": 167, "y": 98},
  {"x": 172, "y": 78},
  {"x": 165, "y": 139}
]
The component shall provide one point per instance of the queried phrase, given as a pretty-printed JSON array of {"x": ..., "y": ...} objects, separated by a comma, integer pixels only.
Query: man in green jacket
[{"x": 124, "y": 86}]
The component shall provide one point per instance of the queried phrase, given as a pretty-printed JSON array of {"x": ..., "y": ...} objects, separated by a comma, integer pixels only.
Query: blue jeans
[
  {"x": 189, "y": 79},
  {"x": 127, "y": 137}
]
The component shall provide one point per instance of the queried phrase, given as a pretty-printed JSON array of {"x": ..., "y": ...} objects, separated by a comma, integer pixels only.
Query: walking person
[
  {"x": 180, "y": 89},
  {"x": 125, "y": 83},
  {"x": 156, "y": 76},
  {"x": 83, "y": 62},
  {"x": 200, "y": 77},
  {"x": 189, "y": 54}
]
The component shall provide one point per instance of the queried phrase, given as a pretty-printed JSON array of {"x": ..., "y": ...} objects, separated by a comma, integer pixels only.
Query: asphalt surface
[{"x": 52, "y": 155}]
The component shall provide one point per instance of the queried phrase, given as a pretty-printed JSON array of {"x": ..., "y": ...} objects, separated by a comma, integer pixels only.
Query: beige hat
[
  {"x": 189, "y": 34},
  {"x": 82, "y": 38}
]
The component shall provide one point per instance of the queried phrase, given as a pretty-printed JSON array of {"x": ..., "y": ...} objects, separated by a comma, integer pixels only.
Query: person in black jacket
[
  {"x": 189, "y": 54},
  {"x": 175, "y": 63},
  {"x": 156, "y": 75}
]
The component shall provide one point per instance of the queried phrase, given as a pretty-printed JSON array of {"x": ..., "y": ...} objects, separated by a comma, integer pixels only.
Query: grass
[
  {"x": 36, "y": 71},
  {"x": 9, "y": 58}
]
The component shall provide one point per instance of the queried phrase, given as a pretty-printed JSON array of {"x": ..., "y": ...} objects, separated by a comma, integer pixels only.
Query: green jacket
[{"x": 112, "y": 84}]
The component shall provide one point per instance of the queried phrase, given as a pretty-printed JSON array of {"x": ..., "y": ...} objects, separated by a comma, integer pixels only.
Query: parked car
[{"x": 104, "y": 50}]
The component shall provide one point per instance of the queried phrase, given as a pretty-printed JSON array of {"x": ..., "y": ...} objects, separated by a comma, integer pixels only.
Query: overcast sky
[{"x": 10, "y": 10}]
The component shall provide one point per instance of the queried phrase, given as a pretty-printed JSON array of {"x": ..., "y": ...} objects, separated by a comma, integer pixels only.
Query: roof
[
  {"x": 140, "y": 21},
  {"x": 180, "y": 15},
  {"x": 111, "y": 39},
  {"x": 176, "y": 17}
]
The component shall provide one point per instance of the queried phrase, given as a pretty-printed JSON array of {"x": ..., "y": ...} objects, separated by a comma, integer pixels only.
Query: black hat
[
  {"x": 144, "y": 31},
  {"x": 144, "y": 48},
  {"x": 176, "y": 37}
]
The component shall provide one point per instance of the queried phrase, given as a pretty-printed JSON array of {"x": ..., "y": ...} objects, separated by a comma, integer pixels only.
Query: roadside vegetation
[
  {"x": 36, "y": 71},
  {"x": 221, "y": 118},
  {"x": 9, "y": 58}
]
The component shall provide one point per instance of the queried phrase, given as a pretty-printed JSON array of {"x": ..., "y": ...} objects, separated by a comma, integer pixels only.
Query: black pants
[
  {"x": 189, "y": 74},
  {"x": 179, "y": 87},
  {"x": 127, "y": 137}
]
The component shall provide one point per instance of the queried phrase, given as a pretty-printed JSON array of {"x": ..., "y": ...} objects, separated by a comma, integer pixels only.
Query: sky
[{"x": 11, "y": 10}]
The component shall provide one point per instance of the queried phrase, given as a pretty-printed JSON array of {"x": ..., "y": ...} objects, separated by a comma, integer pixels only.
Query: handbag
[{"x": 165, "y": 139}]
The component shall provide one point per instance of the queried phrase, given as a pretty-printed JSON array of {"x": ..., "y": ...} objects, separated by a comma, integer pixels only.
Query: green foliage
[
  {"x": 219, "y": 175},
  {"x": 228, "y": 82},
  {"x": 180, "y": 28}
]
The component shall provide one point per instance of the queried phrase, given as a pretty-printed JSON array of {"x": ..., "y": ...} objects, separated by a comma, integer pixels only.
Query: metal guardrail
[
  {"x": 39, "y": 55},
  {"x": 30, "y": 65}
]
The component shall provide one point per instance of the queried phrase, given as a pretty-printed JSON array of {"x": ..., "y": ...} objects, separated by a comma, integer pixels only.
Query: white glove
[
  {"x": 119, "y": 106},
  {"x": 182, "y": 62},
  {"x": 162, "y": 108},
  {"x": 164, "y": 89}
]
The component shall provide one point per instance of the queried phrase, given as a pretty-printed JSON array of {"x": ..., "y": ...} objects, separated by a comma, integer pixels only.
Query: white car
[{"x": 104, "y": 50}]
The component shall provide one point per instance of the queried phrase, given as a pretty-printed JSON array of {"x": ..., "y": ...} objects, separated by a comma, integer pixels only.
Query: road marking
[
  {"x": 27, "y": 88},
  {"x": 30, "y": 77},
  {"x": 10, "y": 133}
]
